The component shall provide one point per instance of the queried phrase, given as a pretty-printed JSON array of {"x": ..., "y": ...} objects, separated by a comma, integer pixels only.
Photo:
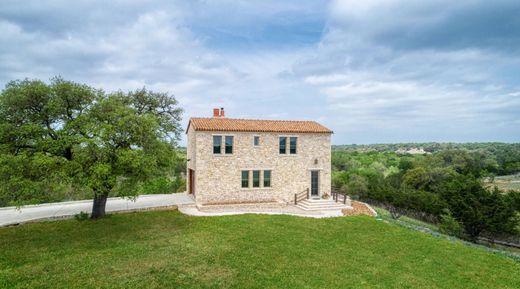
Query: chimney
[
  {"x": 216, "y": 112},
  {"x": 222, "y": 112}
]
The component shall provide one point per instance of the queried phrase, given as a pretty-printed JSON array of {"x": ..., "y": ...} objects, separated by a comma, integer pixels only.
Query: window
[
  {"x": 217, "y": 144},
  {"x": 245, "y": 179},
  {"x": 267, "y": 179},
  {"x": 256, "y": 179},
  {"x": 292, "y": 145},
  {"x": 256, "y": 140},
  {"x": 283, "y": 144},
  {"x": 229, "y": 144}
]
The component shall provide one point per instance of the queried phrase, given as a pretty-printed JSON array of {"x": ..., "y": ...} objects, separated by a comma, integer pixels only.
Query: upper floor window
[
  {"x": 229, "y": 144},
  {"x": 217, "y": 144},
  {"x": 256, "y": 140},
  {"x": 283, "y": 145},
  {"x": 292, "y": 144}
]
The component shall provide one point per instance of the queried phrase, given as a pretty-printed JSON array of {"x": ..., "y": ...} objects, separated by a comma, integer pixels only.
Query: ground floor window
[
  {"x": 245, "y": 179},
  {"x": 258, "y": 179},
  {"x": 267, "y": 179}
]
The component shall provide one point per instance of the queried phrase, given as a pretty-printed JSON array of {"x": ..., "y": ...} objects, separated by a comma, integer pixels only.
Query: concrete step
[
  {"x": 323, "y": 208},
  {"x": 320, "y": 202},
  {"x": 321, "y": 205},
  {"x": 312, "y": 204}
]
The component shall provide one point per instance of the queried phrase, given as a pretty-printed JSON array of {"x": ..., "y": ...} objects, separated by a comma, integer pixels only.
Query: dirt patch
[{"x": 358, "y": 209}]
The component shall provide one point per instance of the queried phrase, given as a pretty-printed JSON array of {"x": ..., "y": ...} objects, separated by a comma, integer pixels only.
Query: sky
[{"x": 372, "y": 71}]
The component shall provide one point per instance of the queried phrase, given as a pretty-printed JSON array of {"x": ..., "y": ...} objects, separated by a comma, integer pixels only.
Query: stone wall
[
  {"x": 191, "y": 150},
  {"x": 218, "y": 177}
]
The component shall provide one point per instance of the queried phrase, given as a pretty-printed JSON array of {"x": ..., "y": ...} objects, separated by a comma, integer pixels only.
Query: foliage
[
  {"x": 170, "y": 250},
  {"x": 501, "y": 158},
  {"x": 449, "y": 225},
  {"x": 65, "y": 136},
  {"x": 81, "y": 216},
  {"x": 428, "y": 185}
]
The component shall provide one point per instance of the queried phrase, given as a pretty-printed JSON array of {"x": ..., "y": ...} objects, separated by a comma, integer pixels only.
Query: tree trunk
[{"x": 98, "y": 208}]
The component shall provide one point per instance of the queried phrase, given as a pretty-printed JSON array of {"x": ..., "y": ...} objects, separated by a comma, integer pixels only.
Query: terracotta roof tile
[{"x": 254, "y": 125}]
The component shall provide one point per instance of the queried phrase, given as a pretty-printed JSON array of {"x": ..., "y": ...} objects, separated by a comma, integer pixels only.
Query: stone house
[{"x": 232, "y": 161}]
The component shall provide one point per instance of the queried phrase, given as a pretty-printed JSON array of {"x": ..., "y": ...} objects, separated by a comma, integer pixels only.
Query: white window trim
[
  {"x": 288, "y": 145},
  {"x": 259, "y": 141},
  {"x": 223, "y": 145},
  {"x": 261, "y": 179}
]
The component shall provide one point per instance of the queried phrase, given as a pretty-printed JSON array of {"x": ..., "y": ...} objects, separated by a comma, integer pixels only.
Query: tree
[
  {"x": 449, "y": 225},
  {"x": 109, "y": 143},
  {"x": 417, "y": 178},
  {"x": 355, "y": 186},
  {"x": 501, "y": 212}
]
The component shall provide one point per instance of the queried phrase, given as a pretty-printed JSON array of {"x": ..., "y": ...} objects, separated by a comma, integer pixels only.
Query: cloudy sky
[{"x": 373, "y": 71}]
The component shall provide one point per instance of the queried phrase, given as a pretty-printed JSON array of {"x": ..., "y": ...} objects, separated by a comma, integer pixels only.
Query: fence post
[
  {"x": 344, "y": 199},
  {"x": 308, "y": 193},
  {"x": 296, "y": 199}
]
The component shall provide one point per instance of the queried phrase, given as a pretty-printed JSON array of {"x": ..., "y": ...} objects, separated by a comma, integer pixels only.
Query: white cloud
[{"x": 381, "y": 71}]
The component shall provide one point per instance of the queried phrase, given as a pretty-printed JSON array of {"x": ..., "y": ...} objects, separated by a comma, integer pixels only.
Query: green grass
[
  {"x": 169, "y": 250},
  {"x": 385, "y": 214}
]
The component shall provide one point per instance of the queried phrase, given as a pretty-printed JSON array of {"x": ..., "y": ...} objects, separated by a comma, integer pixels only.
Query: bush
[
  {"x": 81, "y": 216},
  {"x": 449, "y": 225}
]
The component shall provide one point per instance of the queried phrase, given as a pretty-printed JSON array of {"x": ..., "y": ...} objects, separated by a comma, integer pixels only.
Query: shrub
[
  {"x": 449, "y": 225},
  {"x": 81, "y": 216}
]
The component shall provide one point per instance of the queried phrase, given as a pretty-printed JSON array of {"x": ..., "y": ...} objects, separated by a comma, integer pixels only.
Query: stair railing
[
  {"x": 339, "y": 197},
  {"x": 301, "y": 196}
]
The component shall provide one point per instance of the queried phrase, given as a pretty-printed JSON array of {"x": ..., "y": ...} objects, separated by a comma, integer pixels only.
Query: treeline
[
  {"x": 505, "y": 155},
  {"x": 444, "y": 187}
]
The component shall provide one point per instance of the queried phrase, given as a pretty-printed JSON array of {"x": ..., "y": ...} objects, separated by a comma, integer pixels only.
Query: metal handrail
[
  {"x": 301, "y": 196},
  {"x": 335, "y": 197}
]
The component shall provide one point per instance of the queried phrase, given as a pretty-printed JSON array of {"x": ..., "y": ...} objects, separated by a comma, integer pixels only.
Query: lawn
[{"x": 165, "y": 249}]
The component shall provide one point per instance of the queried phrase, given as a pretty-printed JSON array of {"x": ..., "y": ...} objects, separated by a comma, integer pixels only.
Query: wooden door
[{"x": 191, "y": 179}]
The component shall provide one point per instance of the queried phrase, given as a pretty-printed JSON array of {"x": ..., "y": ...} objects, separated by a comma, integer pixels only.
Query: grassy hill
[{"x": 169, "y": 250}]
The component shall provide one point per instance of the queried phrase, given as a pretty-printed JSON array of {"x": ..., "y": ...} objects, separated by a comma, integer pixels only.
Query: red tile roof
[{"x": 254, "y": 125}]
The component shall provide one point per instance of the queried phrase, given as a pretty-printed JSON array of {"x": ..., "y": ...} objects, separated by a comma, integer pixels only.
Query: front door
[{"x": 315, "y": 181}]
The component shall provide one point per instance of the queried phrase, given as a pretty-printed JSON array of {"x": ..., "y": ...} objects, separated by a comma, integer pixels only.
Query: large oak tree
[{"x": 66, "y": 134}]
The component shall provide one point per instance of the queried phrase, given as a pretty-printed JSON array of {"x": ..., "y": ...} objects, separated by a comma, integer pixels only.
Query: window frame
[
  {"x": 246, "y": 180},
  {"x": 284, "y": 145},
  {"x": 226, "y": 137},
  {"x": 269, "y": 178},
  {"x": 253, "y": 179},
  {"x": 295, "y": 138},
  {"x": 220, "y": 144}
]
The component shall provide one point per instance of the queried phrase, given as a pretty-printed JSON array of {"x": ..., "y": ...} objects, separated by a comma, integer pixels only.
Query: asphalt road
[{"x": 13, "y": 215}]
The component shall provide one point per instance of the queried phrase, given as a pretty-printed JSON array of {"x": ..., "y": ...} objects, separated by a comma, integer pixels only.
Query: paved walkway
[
  {"x": 287, "y": 210},
  {"x": 12, "y": 215}
]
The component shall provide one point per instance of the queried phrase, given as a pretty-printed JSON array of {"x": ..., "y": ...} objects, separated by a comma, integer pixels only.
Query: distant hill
[{"x": 429, "y": 147}]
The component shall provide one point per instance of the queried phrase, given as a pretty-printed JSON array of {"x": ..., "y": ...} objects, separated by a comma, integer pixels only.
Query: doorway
[
  {"x": 315, "y": 183},
  {"x": 191, "y": 180}
]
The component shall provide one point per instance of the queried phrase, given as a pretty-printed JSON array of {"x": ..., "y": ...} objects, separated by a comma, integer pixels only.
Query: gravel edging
[{"x": 360, "y": 208}]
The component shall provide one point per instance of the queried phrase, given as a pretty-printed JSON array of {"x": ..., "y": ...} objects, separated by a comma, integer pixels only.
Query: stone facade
[{"x": 217, "y": 177}]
